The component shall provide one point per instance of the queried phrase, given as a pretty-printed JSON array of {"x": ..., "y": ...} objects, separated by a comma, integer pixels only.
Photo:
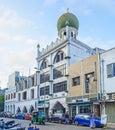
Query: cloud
[
  {"x": 97, "y": 43},
  {"x": 10, "y": 19},
  {"x": 49, "y": 2},
  {"x": 12, "y": 60},
  {"x": 108, "y": 4},
  {"x": 15, "y": 22},
  {"x": 6, "y": 37}
]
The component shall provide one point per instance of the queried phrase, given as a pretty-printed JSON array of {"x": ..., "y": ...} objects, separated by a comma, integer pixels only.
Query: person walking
[
  {"x": 66, "y": 118},
  {"x": 92, "y": 124}
]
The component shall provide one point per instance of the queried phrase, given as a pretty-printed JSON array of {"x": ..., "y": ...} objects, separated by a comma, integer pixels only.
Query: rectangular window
[
  {"x": 32, "y": 80},
  {"x": 25, "y": 83},
  {"x": 88, "y": 77},
  {"x": 59, "y": 87},
  {"x": 76, "y": 81},
  {"x": 24, "y": 95},
  {"x": 84, "y": 109},
  {"x": 14, "y": 95},
  {"x": 44, "y": 90},
  {"x": 60, "y": 71},
  {"x": 19, "y": 96},
  {"x": 114, "y": 69},
  {"x": 110, "y": 70},
  {"x": 44, "y": 77},
  {"x": 32, "y": 93},
  {"x": 61, "y": 56}
]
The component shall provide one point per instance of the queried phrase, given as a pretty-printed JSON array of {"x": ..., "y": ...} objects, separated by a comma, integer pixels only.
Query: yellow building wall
[{"x": 82, "y": 68}]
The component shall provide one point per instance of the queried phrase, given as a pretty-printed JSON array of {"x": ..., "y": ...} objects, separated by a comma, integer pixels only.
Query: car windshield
[
  {"x": 82, "y": 115},
  {"x": 41, "y": 113}
]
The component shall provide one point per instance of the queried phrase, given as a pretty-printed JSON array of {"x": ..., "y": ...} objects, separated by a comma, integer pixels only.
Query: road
[{"x": 53, "y": 126}]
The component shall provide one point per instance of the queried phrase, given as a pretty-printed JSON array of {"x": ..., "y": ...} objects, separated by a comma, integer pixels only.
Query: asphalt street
[{"x": 53, "y": 126}]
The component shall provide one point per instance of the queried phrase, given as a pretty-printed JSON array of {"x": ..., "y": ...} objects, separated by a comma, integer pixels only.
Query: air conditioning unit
[
  {"x": 105, "y": 97},
  {"x": 113, "y": 96}
]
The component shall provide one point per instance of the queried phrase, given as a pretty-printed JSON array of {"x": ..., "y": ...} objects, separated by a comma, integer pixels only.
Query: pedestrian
[
  {"x": 66, "y": 118},
  {"x": 30, "y": 127},
  {"x": 92, "y": 124}
]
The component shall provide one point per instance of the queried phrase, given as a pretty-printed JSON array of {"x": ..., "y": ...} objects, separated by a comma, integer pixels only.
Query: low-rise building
[
  {"x": 84, "y": 87},
  {"x": 107, "y": 82},
  {"x": 26, "y": 94},
  {"x": 10, "y": 92}
]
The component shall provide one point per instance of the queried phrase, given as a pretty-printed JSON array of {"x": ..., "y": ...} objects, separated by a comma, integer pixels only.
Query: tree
[{"x": 1, "y": 103}]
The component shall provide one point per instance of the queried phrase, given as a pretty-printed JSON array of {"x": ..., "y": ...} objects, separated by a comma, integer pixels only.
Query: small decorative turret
[{"x": 38, "y": 50}]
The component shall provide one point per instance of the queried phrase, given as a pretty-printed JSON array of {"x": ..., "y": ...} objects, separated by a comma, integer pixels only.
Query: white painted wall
[{"x": 107, "y": 84}]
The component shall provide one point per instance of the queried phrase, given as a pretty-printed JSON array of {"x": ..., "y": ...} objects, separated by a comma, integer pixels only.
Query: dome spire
[
  {"x": 70, "y": 20},
  {"x": 67, "y": 10}
]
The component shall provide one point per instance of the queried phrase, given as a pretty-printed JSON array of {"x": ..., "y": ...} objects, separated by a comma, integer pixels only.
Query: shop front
[
  {"x": 80, "y": 106},
  {"x": 109, "y": 110}
]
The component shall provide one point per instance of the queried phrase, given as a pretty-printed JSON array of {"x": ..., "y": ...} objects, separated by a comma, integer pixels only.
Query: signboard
[{"x": 104, "y": 119}]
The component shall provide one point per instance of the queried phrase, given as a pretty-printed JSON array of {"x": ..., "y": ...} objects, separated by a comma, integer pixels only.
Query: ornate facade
[{"x": 48, "y": 88}]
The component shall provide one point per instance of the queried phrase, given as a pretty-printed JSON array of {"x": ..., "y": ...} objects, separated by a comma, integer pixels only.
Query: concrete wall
[{"x": 81, "y": 68}]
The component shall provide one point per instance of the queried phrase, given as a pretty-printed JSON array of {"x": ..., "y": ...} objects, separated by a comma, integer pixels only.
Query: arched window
[
  {"x": 11, "y": 95},
  {"x": 25, "y": 110},
  {"x": 64, "y": 33},
  {"x": 71, "y": 34},
  {"x": 31, "y": 109},
  {"x": 59, "y": 57},
  {"x": 18, "y": 110},
  {"x": 44, "y": 64}
]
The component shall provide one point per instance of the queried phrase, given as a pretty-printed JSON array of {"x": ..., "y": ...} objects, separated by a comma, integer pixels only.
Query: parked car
[
  {"x": 14, "y": 115},
  {"x": 84, "y": 119},
  {"x": 2, "y": 114},
  {"x": 10, "y": 125},
  {"x": 28, "y": 116},
  {"x": 58, "y": 118},
  {"x": 8, "y": 114},
  {"x": 21, "y": 116}
]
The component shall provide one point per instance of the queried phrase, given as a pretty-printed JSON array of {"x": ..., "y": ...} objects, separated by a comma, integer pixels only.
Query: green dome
[{"x": 67, "y": 19}]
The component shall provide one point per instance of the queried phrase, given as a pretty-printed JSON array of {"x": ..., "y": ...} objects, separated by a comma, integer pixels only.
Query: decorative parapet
[{"x": 52, "y": 45}]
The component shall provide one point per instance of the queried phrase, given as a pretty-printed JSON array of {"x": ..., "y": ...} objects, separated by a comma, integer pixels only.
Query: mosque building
[
  {"x": 48, "y": 89},
  {"x": 54, "y": 62}
]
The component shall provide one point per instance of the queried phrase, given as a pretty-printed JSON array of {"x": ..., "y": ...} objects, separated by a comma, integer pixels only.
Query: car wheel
[
  {"x": 76, "y": 123},
  {"x": 43, "y": 123}
]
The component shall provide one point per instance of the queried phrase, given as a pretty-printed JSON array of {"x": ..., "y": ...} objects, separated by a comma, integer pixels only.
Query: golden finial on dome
[{"x": 67, "y": 10}]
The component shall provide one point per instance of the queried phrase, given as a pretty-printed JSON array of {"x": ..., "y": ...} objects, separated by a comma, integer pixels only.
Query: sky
[{"x": 25, "y": 23}]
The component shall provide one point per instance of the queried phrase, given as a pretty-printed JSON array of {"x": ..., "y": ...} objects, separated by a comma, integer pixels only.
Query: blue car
[
  {"x": 84, "y": 119},
  {"x": 21, "y": 116}
]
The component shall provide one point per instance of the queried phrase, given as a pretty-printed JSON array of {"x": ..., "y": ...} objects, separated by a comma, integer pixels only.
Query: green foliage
[{"x": 1, "y": 102}]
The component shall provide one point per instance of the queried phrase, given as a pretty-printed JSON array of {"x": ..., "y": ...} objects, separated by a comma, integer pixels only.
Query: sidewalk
[{"x": 111, "y": 125}]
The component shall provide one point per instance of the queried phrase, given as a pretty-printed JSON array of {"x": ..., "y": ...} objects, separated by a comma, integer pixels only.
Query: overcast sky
[{"x": 25, "y": 23}]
